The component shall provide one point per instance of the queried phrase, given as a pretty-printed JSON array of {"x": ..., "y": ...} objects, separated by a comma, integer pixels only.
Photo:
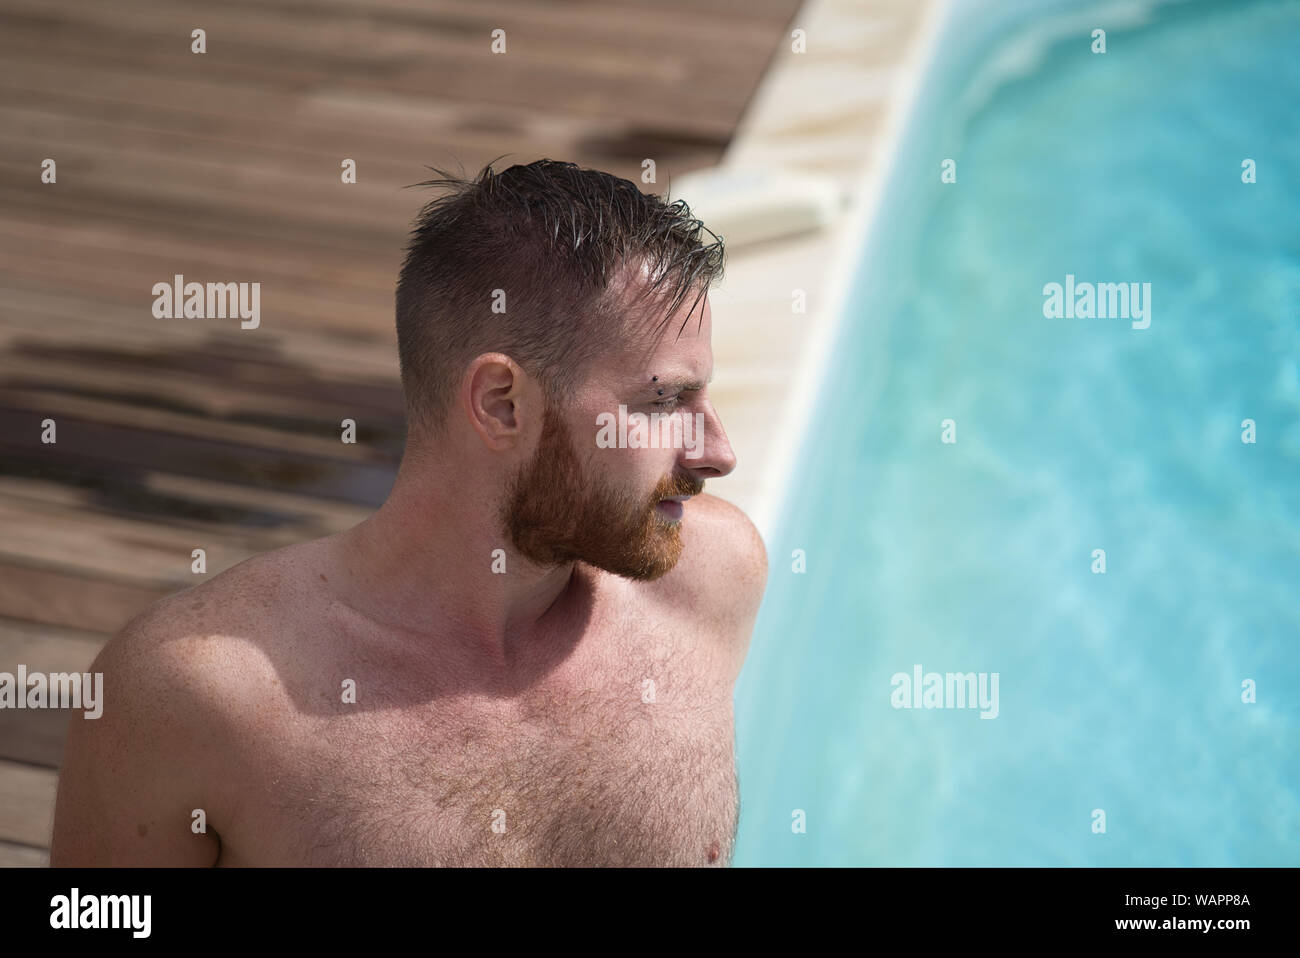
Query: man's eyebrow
[{"x": 680, "y": 382}]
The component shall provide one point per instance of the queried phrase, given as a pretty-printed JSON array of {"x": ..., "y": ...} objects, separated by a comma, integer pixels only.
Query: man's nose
[{"x": 715, "y": 457}]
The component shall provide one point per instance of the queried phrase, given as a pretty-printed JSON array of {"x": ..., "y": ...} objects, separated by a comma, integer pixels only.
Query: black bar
[{"x": 888, "y": 907}]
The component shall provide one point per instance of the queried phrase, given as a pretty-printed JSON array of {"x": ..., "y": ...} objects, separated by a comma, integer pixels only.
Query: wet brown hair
[{"x": 553, "y": 237}]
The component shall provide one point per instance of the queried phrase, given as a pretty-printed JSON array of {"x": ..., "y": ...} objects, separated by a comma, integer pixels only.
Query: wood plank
[
  {"x": 55, "y": 597},
  {"x": 230, "y": 504},
  {"x": 124, "y": 549},
  {"x": 37, "y": 736},
  {"x": 596, "y": 85},
  {"x": 360, "y": 477},
  {"x": 27, "y": 803},
  {"x": 63, "y": 234},
  {"x": 175, "y": 209},
  {"x": 27, "y": 371},
  {"x": 47, "y": 648},
  {"x": 314, "y": 128},
  {"x": 51, "y": 316},
  {"x": 640, "y": 41},
  {"x": 13, "y": 855},
  {"x": 129, "y": 274},
  {"x": 777, "y": 11},
  {"x": 323, "y": 442}
]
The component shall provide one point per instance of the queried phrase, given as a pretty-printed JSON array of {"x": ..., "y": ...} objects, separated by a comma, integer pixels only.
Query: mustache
[{"x": 678, "y": 485}]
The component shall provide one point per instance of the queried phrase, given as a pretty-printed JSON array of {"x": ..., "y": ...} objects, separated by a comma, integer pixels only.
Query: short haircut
[{"x": 552, "y": 237}]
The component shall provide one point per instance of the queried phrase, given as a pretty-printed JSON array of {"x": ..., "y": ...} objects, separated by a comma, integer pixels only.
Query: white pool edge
[{"x": 852, "y": 234}]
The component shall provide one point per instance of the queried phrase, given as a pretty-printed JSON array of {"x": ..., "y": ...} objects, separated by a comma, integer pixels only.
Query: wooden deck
[{"x": 180, "y": 434}]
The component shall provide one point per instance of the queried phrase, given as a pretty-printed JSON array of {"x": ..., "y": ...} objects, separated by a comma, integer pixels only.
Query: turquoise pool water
[{"x": 1121, "y": 691}]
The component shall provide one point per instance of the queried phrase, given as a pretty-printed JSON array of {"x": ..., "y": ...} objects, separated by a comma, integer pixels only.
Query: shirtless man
[{"x": 526, "y": 656}]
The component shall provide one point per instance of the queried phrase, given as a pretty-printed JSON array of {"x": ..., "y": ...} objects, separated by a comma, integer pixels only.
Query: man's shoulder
[
  {"x": 187, "y": 695},
  {"x": 723, "y": 566},
  {"x": 198, "y": 647},
  {"x": 228, "y": 600},
  {"x": 720, "y": 531}
]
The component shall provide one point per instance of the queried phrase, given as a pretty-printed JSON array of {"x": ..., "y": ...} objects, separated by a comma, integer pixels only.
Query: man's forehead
[{"x": 676, "y": 353}]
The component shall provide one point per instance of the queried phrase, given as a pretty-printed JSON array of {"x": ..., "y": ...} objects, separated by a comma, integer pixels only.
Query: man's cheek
[{"x": 638, "y": 431}]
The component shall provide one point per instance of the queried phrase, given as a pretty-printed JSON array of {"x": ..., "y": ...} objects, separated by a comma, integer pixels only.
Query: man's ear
[{"x": 493, "y": 394}]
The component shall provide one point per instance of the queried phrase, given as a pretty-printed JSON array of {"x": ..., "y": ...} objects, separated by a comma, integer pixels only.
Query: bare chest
[{"x": 633, "y": 765}]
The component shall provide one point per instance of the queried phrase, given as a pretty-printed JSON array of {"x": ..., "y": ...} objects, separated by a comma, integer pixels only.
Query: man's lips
[{"x": 672, "y": 507}]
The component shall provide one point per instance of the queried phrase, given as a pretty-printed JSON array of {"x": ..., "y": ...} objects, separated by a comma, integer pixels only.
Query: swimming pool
[{"x": 1118, "y": 691}]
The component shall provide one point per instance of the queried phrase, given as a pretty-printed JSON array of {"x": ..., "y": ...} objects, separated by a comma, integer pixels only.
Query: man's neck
[{"x": 427, "y": 563}]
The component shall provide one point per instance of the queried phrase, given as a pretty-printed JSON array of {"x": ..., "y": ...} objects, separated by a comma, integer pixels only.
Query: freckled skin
[{"x": 240, "y": 715}]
